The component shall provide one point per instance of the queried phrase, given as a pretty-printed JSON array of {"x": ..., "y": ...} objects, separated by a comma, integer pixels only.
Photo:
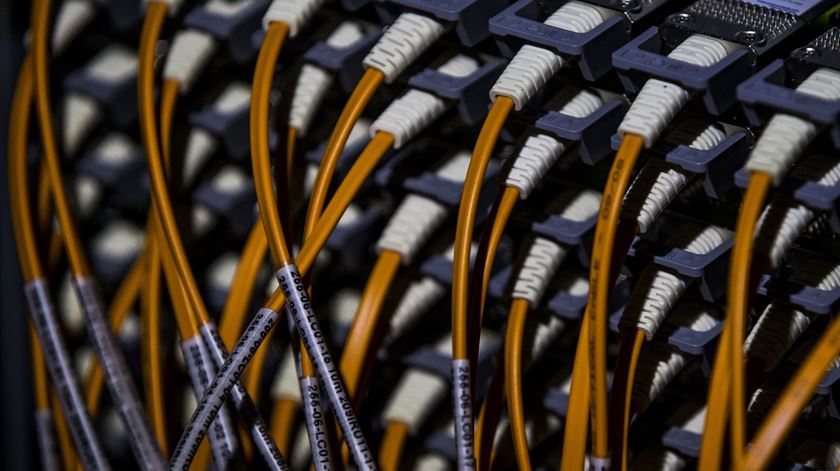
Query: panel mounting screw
[
  {"x": 681, "y": 18},
  {"x": 630, "y": 5},
  {"x": 807, "y": 52},
  {"x": 750, "y": 37}
]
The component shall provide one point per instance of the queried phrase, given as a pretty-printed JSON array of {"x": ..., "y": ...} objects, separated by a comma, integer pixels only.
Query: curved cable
[
  {"x": 260, "y": 160},
  {"x": 513, "y": 380},
  {"x": 58, "y": 364},
  {"x": 491, "y": 236},
  {"x": 360, "y": 345},
  {"x": 357, "y": 102},
  {"x": 599, "y": 284},
  {"x": 174, "y": 248},
  {"x": 577, "y": 410},
  {"x": 622, "y": 396},
  {"x": 116, "y": 371},
  {"x": 241, "y": 290},
  {"x": 390, "y": 452},
  {"x": 283, "y": 416},
  {"x": 738, "y": 306},
  {"x": 784, "y": 414},
  {"x": 124, "y": 298},
  {"x": 367, "y": 161},
  {"x": 466, "y": 218}
]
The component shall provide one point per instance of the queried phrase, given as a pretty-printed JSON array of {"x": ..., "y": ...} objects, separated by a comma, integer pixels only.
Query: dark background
[{"x": 16, "y": 408}]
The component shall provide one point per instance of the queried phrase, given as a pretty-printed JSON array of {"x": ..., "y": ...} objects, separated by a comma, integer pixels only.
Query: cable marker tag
[
  {"x": 61, "y": 373},
  {"x": 298, "y": 305},
  {"x": 310, "y": 391},
  {"x": 244, "y": 405},
  {"x": 201, "y": 372},
  {"x": 46, "y": 440},
  {"x": 226, "y": 380},
  {"x": 462, "y": 405},
  {"x": 117, "y": 377}
]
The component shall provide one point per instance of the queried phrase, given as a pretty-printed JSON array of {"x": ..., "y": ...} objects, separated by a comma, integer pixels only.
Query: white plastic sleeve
[
  {"x": 285, "y": 385},
  {"x": 708, "y": 139},
  {"x": 414, "y": 221},
  {"x": 582, "y": 104},
  {"x": 455, "y": 169},
  {"x": 774, "y": 333},
  {"x": 404, "y": 41},
  {"x": 658, "y": 365},
  {"x": 72, "y": 18},
  {"x": 532, "y": 67},
  {"x": 190, "y": 52},
  {"x": 582, "y": 206},
  {"x": 537, "y": 155},
  {"x": 235, "y": 96},
  {"x": 696, "y": 134},
  {"x": 577, "y": 17},
  {"x": 409, "y": 114},
  {"x": 415, "y": 398},
  {"x": 81, "y": 114},
  {"x": 780, "y": 224},
  {"x": 172, "y": 6},
  {"x": 651, "y": 192},
  {"x": 459, "y": 65},
  {"x": 783, "y": 140},
  {"x": 312, "y": 85},
  {"x": 822, "y": 83},
  {"x": 654, "y": 107},
  {"x": 295, "y": 13},
  {"x": 345, "y": 35},
  {"x": 544, "y": 256},
  {"x": 652, "y": 298},
  {"x": 113, "y": 64},
  {"x": 823, "y": 169},
  {"x": 658, "y": 101},
  {"x": 785, "y": 136},
  {"x": 701, "y": 241},
  {"x": 418, "y": 298},
  {"x": 694, "y": 315},
  {"x": 527, "y": 73},
  {"x": 546, "y": 333}
]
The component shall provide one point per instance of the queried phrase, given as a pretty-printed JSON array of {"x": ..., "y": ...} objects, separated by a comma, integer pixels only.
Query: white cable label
[
  {"x": 46, "y": 440},
  {"x": 310, "y": 391},
  {"x": 257, "y": 427},
  {"x": 201, "y": 371},
  {"x": 462, "y": 405},
  {"x": 298, "y": 305},
  {"x": 225, "y": 381},
  {"x": 61, "y": 373},
  {"x": 117, "y": 378}
]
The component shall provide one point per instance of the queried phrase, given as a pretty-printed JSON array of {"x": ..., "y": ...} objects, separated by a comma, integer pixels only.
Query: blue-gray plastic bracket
[
  {"x": 765, "y": 94},
  {"x": 344, "y": 61},
  {"x": 639, "y": 60},
  {"x": 472, "y": 92},
  {"x": 516, "y": 26},
  {"x": 234, "y": 31}
]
